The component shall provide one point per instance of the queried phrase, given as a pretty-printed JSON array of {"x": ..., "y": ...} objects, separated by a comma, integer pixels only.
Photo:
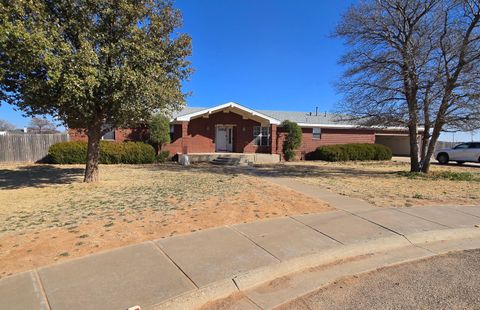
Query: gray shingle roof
[
  {"x": 298, "y": 117},
  {"x": 303, "y": 117},
  {"x": 185, "y": 111}
]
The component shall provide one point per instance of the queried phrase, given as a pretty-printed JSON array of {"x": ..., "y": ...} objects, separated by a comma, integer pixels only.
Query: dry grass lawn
[
  {"x": 384, "y": 183},
  {"x": 47, "y": 214}
]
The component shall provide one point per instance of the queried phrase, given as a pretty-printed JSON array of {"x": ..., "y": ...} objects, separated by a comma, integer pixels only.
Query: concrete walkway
[
  {"x": 152, "y": 273},
  {"x": 337, "y": 201}
]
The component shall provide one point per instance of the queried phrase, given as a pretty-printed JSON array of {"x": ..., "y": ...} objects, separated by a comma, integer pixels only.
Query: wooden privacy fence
[{"x": 27, "y": 147}]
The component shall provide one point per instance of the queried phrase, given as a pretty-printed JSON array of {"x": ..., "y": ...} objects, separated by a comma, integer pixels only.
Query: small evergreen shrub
[
  {"x": 163, "y": 156},
  {"x": 293, "y": 139},
  {"x": 347, "y": 152},
  {"x": 75, "y": 152}
]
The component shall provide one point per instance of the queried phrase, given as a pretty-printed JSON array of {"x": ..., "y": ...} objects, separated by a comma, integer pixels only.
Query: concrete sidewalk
[
  {"x": 337, "y": 201},
  {"x": 152, "y": 273}
]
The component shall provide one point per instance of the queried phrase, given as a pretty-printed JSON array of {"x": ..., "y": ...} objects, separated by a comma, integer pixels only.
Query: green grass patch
[{"x": 441, "y": 175}]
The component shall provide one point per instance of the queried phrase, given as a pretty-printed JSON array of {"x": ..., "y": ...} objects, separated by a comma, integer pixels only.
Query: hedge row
[
  {"x": 75, "y": 152},
  {"x": 346, "y": 152}
]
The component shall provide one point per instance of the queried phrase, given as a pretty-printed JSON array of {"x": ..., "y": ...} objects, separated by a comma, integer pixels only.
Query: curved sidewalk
[{"x": 194, "y": 268}]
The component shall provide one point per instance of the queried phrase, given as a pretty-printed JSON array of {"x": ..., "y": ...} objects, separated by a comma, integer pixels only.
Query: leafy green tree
[
  {"x": 293, "y": 139},
  {"x": 159, "y": 127},
  {"x": 94, "y": 64}
]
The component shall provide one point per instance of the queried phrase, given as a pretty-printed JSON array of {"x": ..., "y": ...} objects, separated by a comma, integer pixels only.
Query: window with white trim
[
  {"x": 316, "y": 133},
  {"x": 261, "y": 136},
  {"x": 110, "y": 135}
]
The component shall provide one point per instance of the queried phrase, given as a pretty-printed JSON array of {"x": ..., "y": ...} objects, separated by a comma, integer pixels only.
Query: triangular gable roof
[{"x": 234, "y": 105}]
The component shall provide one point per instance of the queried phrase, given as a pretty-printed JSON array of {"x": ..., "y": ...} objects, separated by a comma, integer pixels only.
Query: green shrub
[
  {"x": 163, "y": 156},
  {"x": 111, "y": 153},
  {"x": 346, "y": 152},
  {"x": 75, "y": 152},
  {"x": 159, "y": 127},
  {"x": 138, "y": 153},
  {"x": 293, "y": 139}
]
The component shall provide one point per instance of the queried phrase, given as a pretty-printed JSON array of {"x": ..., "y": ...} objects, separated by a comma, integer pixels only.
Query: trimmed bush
[
  {"x": 138, "y": 153},
  {"x": 293, "y": 139},
  {"x": 163, "y": 156},
  {"x": 346, "y": 152},
  {"x": 75, "y": 152}
]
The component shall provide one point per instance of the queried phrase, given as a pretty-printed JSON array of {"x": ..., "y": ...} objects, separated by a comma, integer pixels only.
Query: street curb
[
  {"x": 200, "y": 296},
  {"x": 265, "y": 274},
  {"x": 443, "y": 235},
  {"x": 256, "y": 277}
]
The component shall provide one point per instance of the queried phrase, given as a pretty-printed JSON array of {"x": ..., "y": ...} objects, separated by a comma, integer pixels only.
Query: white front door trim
[{"x": 223, "y": 138}]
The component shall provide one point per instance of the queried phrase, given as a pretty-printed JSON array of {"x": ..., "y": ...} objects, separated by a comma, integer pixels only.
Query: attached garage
[{"x": 399, "y": 144}]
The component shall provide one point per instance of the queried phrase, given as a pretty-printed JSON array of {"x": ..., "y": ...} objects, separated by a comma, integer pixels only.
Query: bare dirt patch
[
  {"x": 385, "y": 184},
  {"x": 48, "y": 215}
]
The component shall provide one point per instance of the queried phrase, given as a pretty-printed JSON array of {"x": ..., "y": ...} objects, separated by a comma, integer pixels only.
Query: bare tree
[
  {"x": 404, "y": 65},
  {"x": 6, "y": 126},
  {"x": 41, "y": 125},
  {"x": 458, "y": 61}
]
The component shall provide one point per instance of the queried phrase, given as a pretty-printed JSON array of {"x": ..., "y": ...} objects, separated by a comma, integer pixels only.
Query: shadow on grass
[
  {"x": 453, "y": 164},
  {"x": 277, "y": 170},
  {"x": 38, "y": 176}
]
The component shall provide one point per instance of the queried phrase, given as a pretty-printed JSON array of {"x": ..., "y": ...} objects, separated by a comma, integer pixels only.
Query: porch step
[{"x": 229, "y": 161}]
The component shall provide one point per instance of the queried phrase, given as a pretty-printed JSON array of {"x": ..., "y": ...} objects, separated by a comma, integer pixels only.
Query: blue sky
[{"x": 268, "y": 54}]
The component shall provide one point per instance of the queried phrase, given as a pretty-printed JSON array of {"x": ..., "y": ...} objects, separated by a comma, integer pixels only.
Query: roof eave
[
  {"x": 188, "y": 117},
  {"x": 346, "y": 126}
]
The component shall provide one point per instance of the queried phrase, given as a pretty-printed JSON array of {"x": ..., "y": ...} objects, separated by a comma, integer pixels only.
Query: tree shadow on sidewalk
[{"x": 38, "y": 176}]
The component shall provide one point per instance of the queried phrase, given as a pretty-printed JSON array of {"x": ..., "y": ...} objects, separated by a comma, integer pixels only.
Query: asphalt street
[{"x": 449, "y": 281}]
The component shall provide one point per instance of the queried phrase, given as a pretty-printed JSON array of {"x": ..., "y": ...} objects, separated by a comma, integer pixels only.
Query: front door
[{"x": 224, "y": 139}]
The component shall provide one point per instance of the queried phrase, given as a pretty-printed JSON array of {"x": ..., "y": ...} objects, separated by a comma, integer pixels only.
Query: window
[
  {"x": 475, "y": 145},
  {"x": 172, "y": 132},
  {"x": 316, "y": 133},
  {"x": 261, "y": 136},
  {"x": 462, "y": 146},
  {"x": 109, "y": 135}
]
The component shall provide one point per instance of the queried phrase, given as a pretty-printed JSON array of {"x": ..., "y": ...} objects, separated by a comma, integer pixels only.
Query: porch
[
  {"x": 228, "y": 128},
  {"x": 248, "y": 158}
]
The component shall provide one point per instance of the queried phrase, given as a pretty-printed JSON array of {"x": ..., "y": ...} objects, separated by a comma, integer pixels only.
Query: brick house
[{"x": 231, "y": 127}]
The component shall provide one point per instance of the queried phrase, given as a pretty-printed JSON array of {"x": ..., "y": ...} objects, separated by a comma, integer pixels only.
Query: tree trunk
[
  {"x": 426, "y": 127},
  {"x": 413, "y": 131},
  {"x": 413, "y": 134},
  {"x": 431, "y": 147},
  {"x": 93, "y": 153}
]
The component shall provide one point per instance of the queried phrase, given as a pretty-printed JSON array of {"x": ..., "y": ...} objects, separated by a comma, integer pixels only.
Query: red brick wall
[
  {"x": 121, "y": 134},
  {"x": 77, "y": 134},
  {"x": 328, "y": 137}
]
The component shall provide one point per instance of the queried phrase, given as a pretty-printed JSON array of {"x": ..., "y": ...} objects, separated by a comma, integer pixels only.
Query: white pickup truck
[{"x": 465, "y": 152}]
